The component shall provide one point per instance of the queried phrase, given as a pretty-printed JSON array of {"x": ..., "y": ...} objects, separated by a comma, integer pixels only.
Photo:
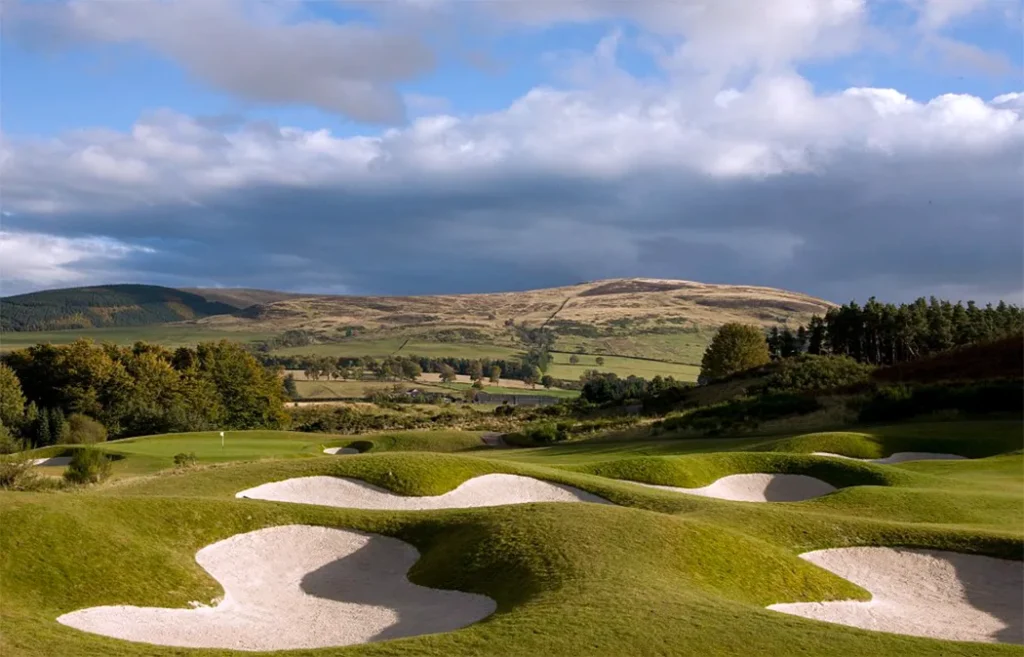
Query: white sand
[
  {"x": 899, "y": 457},
  {"x": 54, "y": 461},
  {"x": 297, "y": 587},
  {"x": 943, "y": 595},
  {"x": 759, "y": 488},
  {"x": 341, "y": 450},
  {"x": 487, "y": 490}
]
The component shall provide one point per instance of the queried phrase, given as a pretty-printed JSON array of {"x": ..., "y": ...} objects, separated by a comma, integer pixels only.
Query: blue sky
[{"x": 488, "y": 145}]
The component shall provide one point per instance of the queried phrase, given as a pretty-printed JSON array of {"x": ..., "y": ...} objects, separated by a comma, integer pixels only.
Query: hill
[
  {"x": 648, "y": 318},
  {"x": 103, "y": 306},
  {"x": 637, "y": 326},
  {"x": 241, "y": 297}
]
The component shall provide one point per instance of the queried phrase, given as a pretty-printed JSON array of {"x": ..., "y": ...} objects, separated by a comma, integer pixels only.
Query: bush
[
  {"x": 16, "y": 473},
  {"x": 84, "y": 430},
  {"x": 183, "y": 460},
  {"x": 902, "y": 402},
  {"x": 88, "y": 466},
  {"x": 742, "y": 414},
  {"x": 9, "y": 443},
  {"x": 545, "y": 433},
  {"x": 811, "y": 373}
]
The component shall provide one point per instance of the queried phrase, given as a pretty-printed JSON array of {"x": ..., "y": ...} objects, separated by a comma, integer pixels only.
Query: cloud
[
  {"x": 266, "y": 52},
  {"x": 33, "y": 260},
  {"x": 768, "y": 183}
]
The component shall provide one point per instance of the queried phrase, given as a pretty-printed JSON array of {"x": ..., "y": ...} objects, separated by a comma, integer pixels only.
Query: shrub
[
  {"x": 545, "y": 432},
  {"x": 742, "y": 414},
  {"x": 15, "y": 473},
  {"x": 902, "y": 402},
  {"x": 9, "y": 443},
  {"x": 82, "y": 429},
  {"x": 183, "y": 460},
  {"x": 809, "y": 372},
  {"x": 88, "y": 466}
]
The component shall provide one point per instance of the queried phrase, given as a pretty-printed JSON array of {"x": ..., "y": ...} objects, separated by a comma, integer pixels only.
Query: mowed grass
[
  {"x": 168, "y": 335},
  {"x": 561, "y": 368},
  {"x": 655, "y": 573}
]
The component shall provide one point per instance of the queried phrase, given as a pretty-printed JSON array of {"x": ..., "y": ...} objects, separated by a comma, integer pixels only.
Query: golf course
[{"x": 437, "y": 543}]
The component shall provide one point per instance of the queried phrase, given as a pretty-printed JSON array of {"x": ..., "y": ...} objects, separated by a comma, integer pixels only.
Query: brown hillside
[
  {"x": 633, "y": 305},
  {"x": 241, "y": 297}
]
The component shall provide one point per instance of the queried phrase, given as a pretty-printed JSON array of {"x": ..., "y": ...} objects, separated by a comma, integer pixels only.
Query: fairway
[{"x": 238, "y": 445}]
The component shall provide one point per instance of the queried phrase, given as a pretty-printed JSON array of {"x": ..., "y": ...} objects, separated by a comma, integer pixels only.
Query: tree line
[
  {"x": 138, "y": 390},
  {"x": 402, "y": 367},
  {"x": 889, "y": 334}
]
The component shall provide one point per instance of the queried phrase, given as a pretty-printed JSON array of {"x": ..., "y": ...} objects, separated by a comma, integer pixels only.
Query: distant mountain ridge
[{"x": 104, "y": 306}]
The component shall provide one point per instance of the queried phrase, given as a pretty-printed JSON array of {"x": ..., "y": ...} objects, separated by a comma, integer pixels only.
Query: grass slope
[
  {"x": 658, "y": 573},
  {"x": 109, "y": 305}
]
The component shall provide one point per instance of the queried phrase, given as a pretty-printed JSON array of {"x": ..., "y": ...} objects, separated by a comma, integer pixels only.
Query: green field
[
  {"x": 381, "y": 348},
  {"x": 655, "y": 573},
  {"x": 169, "y": 335},
  {"x": 311, "y": 390},
  {"x": 685, "y": 348},
  {"x": 560, "y": 367}
]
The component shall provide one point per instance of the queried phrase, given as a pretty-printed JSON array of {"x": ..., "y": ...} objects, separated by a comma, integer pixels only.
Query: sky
[{"x": 841, "y": 148}]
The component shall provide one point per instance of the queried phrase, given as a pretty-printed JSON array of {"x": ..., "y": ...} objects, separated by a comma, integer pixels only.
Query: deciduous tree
[{"x": 736, "y": 347}]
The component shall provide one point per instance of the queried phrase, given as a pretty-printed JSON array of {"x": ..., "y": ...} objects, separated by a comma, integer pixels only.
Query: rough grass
[
  {"x": 970, "y": 439},
  {"x": 658, "y": 573}
]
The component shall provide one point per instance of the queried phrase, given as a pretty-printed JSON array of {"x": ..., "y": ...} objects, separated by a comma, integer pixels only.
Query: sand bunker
[
  {"x": 297, "y": 587},
  {"x": 899, "y": 457},
  {"x": 943, "y": 595},
  {"x": 53, "y": 461},
  {"x": 341, "y": 450},
  {"x": 759, "y": 488},
  {"x": 487, "y": 490}
]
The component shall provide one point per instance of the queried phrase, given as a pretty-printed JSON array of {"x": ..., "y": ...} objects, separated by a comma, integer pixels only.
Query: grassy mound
[
  {"x": 970, "y": 439},
  {"x": 657, "y": 573},
  {"x": 616, "y": 580},
  {"x": 696, "y": 470},
  {"x": 414, "y": 441}
]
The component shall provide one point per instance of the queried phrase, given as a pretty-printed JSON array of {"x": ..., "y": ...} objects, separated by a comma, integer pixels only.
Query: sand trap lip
[
  {"x": 53, "y": 461},
  {"x": 341, "y": 450},
  {"x": 486, "y": 490},
  {"x": 758, "y": 487},
  {"x": 899, "y": 457},
  {"x": 942, "y": 595},
  {"x": 293, "y": 587}
]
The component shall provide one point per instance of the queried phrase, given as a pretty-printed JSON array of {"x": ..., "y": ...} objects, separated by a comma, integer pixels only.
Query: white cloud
[
  {"x": 32, "y": 260},
  {"x": 754, "y": 183}
]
